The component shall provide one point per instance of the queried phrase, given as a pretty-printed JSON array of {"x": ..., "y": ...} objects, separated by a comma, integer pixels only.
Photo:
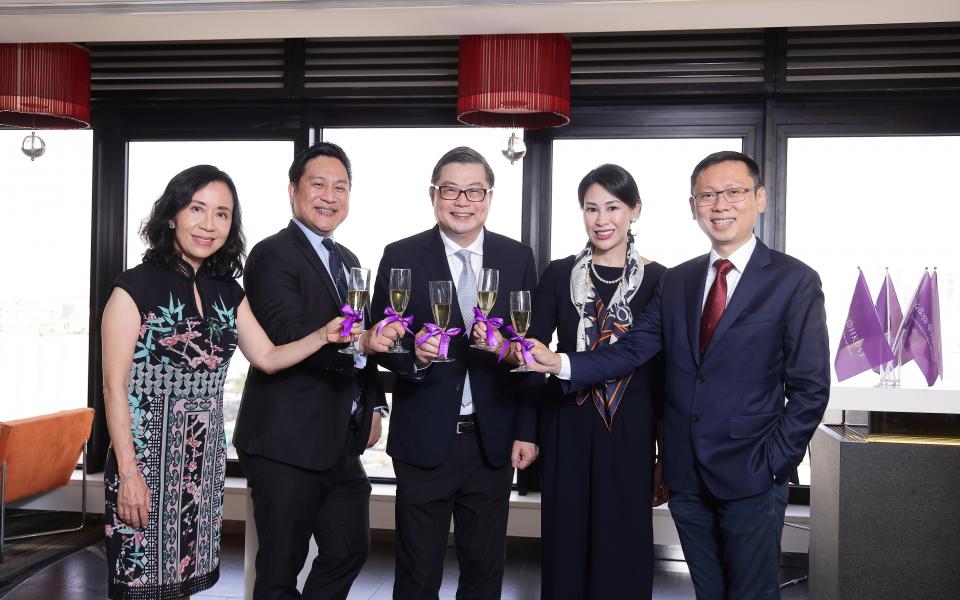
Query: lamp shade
[
  {"x": 515, "y": 80},
  {"x": 44, "y": 86}
]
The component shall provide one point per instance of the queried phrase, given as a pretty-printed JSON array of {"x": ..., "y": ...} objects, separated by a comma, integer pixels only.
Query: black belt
[{"x": 467, "y": 424}]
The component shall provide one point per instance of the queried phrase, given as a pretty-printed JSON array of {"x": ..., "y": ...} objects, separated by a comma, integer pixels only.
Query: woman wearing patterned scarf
[{"x": 598, "y": 445}]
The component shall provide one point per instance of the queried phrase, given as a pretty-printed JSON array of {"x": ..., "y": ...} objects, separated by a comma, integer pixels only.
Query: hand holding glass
[
  {"x": 520, "y": 314},
  {"x": 400, "y": 285},
  {"x": 487, "y": 286},
  {"x": 441, "y": 298},
  {"x": 358, "y": 295}
]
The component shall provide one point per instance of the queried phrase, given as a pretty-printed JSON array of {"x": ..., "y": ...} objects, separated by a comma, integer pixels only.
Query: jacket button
[
  {"x": 459, "y": 387},
  {"x": 701, "y": 378},
  {"x": 695, "y": 418}
]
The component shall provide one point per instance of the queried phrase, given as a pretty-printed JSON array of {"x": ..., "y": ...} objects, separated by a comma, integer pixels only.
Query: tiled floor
[{"x": 83, "y": 576}]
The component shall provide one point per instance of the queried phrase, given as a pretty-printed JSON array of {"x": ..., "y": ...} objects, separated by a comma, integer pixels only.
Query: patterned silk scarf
[{"x": 600, "y": 324}]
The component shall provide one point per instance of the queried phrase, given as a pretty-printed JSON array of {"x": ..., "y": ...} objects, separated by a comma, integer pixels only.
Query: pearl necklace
[{"x": 622, "y": 277}]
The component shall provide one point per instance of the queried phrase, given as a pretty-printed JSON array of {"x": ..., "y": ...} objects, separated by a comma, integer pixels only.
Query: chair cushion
[{"x": 42, "y": 452}]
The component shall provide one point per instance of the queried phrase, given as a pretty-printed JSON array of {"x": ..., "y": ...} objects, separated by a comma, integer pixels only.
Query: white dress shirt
[{"x": 456, "y": 268}]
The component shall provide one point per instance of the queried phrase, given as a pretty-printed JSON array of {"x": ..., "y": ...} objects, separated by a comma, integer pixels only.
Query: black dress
[
  {"x": 597, "y": 536},
  {"x": 175, "y": 393}
]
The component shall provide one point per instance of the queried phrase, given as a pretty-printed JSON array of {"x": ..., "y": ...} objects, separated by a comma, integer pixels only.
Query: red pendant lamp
[
  {"x": 514, "y": 80},
  {"x": 44, "y": 86}
]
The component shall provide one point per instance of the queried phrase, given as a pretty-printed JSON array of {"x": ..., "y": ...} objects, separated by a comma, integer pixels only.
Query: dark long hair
[
  {"x": 618, "y": 182},
  {"x": 159, "y": 237}
]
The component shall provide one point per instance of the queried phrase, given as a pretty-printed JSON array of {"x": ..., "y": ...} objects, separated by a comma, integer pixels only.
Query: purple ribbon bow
[
  {"x": 393, "y": 317},
  {"x": 352, "y": 317},
  {"x": 434, "y": 329},
  {"x": 492, "y": 323},
  {"x": 525, "y": 345}
]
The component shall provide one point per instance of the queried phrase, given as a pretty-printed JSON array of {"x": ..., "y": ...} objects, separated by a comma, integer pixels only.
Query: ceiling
[{"x": 153, "y": 20}]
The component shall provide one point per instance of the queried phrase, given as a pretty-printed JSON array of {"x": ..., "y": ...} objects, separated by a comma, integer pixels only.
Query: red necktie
[{"x": 716, "y": 302}]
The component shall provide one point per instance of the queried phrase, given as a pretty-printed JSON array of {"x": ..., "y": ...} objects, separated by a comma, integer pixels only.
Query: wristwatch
[{"x": 383, "y": 410}]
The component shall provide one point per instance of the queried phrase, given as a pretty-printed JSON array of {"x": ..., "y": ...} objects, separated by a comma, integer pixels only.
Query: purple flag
[
  {"x": 888, "y": 311},
  {"x": 921, "y": 329},
  {"x": 862, "y": 345},
  {"x": 936, "y": 319}
]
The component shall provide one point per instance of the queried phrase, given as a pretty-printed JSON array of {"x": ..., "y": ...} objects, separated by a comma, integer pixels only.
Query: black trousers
[
  {"x": 289, "y": 505},
  {"x": 477, "y": 495}
]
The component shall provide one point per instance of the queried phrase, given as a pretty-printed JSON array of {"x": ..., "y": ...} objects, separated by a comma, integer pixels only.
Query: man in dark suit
[
  {"x": 457, "y": 428},
  {"x": 300, "y": 432},
  {"x": 742, "y": 328}
]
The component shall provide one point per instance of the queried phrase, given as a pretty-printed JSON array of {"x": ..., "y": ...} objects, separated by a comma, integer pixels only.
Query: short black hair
[
  {"x": 727, "y": 155},
  {"x": 159, "y": 237},
  {"x": 330, "y": 149},
  {"x": 616, "y": 180},
  {"x": 464, "y": 155}
]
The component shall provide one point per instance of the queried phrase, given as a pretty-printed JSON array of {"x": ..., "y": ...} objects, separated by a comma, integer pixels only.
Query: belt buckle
[{"x": 466, "y": 426}]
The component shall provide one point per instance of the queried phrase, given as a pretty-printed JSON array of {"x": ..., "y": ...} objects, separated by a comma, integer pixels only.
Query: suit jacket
[
  {"x": 300, "y": 415},
  {"x": 725, "y": 411},
  {"x": 426, "y": 403}
]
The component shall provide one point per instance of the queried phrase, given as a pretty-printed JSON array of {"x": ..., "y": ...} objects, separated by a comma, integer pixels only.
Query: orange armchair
[{"x": 39, "y": 454}]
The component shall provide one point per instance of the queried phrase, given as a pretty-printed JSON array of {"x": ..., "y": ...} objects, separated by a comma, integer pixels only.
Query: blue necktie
[{"x": 336, "y": 268}]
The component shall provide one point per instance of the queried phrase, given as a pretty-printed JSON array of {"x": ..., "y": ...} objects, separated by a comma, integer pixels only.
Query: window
[
  {"x": 389, "y": 201},
  {"x": 665, "y": 232},
  {"x": 45, "y": 295},
  {"x": 259, "y": 170},
  {"x": 873, "y": 203}
]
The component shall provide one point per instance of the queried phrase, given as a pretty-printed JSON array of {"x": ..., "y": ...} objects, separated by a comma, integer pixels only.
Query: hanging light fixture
[
  {"x": 44, "y": 86},
  {"x": 517, "y": 81}
]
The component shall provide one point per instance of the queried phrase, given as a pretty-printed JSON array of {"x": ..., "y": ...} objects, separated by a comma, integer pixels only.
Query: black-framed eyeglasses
[
  {"x": 730, "y": 196},
  {"x": 450, "y": 192}
]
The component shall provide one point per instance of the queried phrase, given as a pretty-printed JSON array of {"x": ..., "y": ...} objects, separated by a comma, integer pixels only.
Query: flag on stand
[
  {"x": 889, "y": 313},
  {"x": 921, "y": 329},
  {"x": 936, "y": 319},
  {"x": 862, "y": 344}
]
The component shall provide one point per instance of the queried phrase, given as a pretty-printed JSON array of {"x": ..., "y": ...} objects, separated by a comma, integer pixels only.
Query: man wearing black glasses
[
  {"x": 457, "y": 428},
  {"x": 742, "y": 329}
]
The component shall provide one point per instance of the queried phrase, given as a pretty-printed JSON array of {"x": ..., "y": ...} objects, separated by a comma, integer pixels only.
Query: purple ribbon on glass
[
  {"x": 492, "y": 323},
  {"x": 352, "y": 317},
  {"x": 525, "y": 345},
  {"x": 434, "y": 329},
  {"x": 394, "y": 317}
]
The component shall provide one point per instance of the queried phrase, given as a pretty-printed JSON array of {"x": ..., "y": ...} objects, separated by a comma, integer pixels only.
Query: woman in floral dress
[{"x": 169, "y": 329}]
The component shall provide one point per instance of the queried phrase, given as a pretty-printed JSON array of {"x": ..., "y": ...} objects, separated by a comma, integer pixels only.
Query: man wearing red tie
[{"x": 742, "y": 329}]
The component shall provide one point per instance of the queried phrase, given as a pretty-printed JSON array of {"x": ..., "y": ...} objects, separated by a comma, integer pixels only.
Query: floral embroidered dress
[{"x": 175, "y": 393}]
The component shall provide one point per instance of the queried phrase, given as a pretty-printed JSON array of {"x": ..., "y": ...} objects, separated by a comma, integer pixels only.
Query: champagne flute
[
  {"x": 520, "y": 314},
  {"x": 486, "y": 296},
  {"x": 400, "y": 280},
  {"x": 441, "y": 297},
  {"x": 358, "y": 295}
]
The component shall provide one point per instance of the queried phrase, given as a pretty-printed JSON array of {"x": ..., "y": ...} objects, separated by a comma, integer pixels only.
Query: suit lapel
[
  {"x": 696, "y": 276},
  {"x": 438, "y": 269},
  {"x": 751, "y": 281},
  {"x": 302, "y": 244}
]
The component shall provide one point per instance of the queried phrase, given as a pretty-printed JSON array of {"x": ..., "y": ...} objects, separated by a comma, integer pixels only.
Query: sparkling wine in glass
[
  {"x": 400, "y": 280},
  {"x": 487, "y": 286},
  {"x": 520, "y": 314},
  {"x": 358, "y": 295},
  {"x": 441, "y": 299}
]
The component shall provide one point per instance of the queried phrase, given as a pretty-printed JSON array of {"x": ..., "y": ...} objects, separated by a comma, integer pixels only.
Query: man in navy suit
[
  {"x": 742, "y": 328},
  {"x": 457, "y": 428}
]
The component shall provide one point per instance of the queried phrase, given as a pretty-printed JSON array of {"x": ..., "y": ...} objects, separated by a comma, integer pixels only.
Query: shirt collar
[
  {"x": 315, "y": 239},
  {"x": 740, "y": 257},
  {"x": 452, "y": 247}
]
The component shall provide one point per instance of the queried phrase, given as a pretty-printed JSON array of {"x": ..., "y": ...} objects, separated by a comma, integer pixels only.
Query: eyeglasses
[
  {"x": 449, "y": 192},
  {"x": 730, "y": 196}
]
